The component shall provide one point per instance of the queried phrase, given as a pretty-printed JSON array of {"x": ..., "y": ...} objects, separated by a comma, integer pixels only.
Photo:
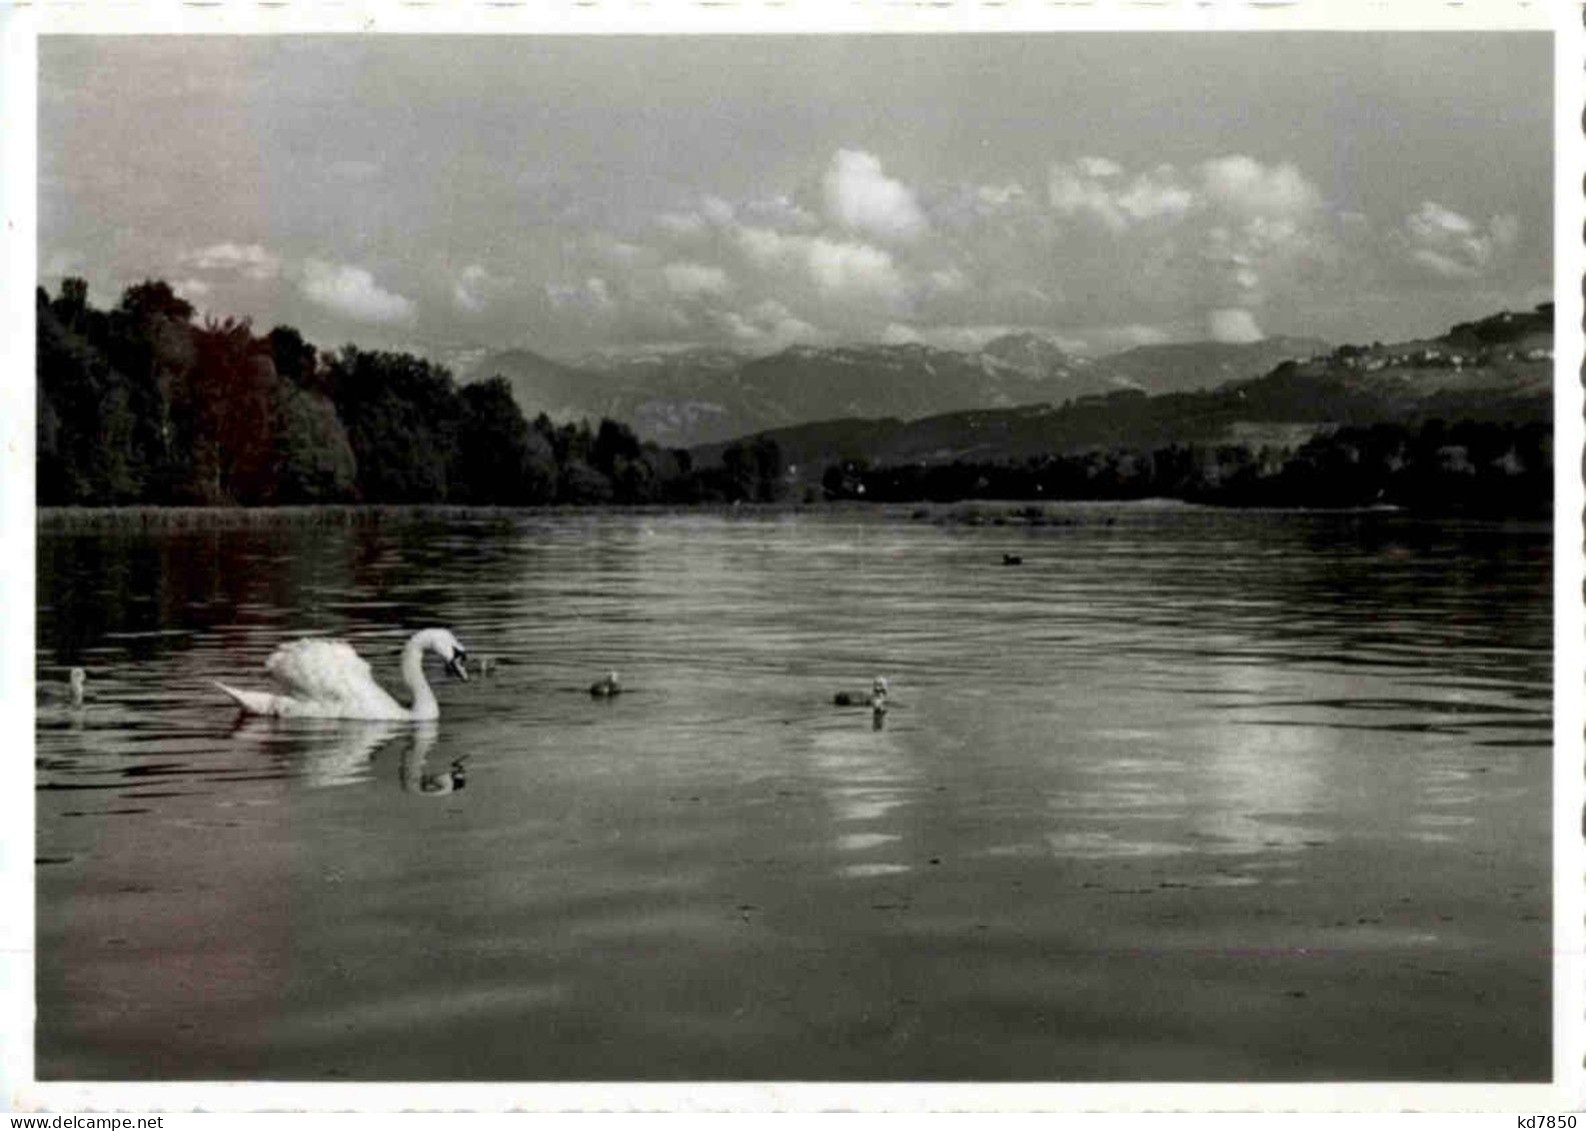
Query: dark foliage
[
  {"x": 140, "y": 405},
  {"x": 500, "y": 458},
  {"x": 402, "y": 415},
  {"x": 1473, "y": 467},
  {"x": 1504, "y": 327}
]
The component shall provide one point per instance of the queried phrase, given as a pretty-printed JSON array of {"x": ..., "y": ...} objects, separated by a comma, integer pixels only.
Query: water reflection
[
  {"x": 868, "y": 782},
  {"x": 1166, "y": 736},
  {"x": 328, "y": 753},
  {"x": 422, "y": 780}
]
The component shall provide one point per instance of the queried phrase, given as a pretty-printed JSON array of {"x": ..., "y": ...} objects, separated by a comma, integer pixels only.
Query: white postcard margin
[{"x": 20, "y": 26}]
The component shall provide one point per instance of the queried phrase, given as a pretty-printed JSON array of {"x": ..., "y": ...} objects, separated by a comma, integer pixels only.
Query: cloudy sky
[{"x": 571, "y": 194}]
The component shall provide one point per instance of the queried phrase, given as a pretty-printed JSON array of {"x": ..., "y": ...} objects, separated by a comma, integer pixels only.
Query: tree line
[
  {"x": 1479, "y": 467},
  {"x": 143, "y": 405}
]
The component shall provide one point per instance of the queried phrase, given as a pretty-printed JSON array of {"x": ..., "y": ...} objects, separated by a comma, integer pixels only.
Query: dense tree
[
  {"x": 314, "y": 460},
  {"x": 500, "y": 459},
  {"x": 752, "y": 470},
  {"x": 72, "y": 307},
  {"x": 140, "y": 405},
  {"x": 581, "y": 484},
  {"x": 149, "y": 337},
  {"x": 402, "y": 415},
  {"x": 295, "y": 360},
  {"x": 613, "y": 442},
  {"x": 1474, "y": 466},
  {"x": 87, "y": 429},
  {"x": 231, "y": 416}
]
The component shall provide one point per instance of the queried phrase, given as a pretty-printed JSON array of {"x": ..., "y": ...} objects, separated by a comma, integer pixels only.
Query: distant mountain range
[
  {"x": 693, "y": 397},
  {"x": 1498, "y": 369}
]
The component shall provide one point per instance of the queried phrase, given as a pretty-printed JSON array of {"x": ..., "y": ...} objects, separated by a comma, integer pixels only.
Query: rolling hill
[
  {"x": 692, "y": 397},
  {"x": 1497, "y": 369}
]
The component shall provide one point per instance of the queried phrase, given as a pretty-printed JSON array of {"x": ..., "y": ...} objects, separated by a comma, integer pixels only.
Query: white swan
[
  {"x": 326, "y": 679},
  {"x": 69, "y": 696}
]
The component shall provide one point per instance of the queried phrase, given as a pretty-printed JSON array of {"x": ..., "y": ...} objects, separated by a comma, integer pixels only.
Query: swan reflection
[
  {"x": 323, "y": 753},
  {"x": 415, "y": 775}
]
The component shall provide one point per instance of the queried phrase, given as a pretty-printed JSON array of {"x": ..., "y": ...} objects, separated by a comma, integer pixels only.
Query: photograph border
[{"x": 20, "y": 27}]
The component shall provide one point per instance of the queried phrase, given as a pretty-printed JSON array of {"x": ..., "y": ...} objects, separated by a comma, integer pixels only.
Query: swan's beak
[{"x": 458, "y": 665}]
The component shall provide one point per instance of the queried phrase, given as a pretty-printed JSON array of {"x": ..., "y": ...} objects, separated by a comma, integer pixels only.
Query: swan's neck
[{"x": 424, "y": 705}]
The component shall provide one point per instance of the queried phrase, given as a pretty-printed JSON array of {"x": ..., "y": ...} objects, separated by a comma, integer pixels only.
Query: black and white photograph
[{"x": 974, "y": 557}]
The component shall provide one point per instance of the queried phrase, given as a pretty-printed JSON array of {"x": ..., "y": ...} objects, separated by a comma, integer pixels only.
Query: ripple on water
[
  {"x": 870, "y": 871},
  {"x": 1226, "y": 715}
]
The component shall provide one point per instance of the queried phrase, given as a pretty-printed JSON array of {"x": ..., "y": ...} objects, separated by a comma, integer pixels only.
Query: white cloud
[
  {"x": 470, "y": 292},
  {"x": 712, "y": 212},
  {"x": 1219, "y": 247},
  {"x": 252, "y": 261},
  {"x": 1453, "y": 246},
  {"x": 352, "y": 291},
  {"x": 834, "y": 266},
  {"x": 968, "y": 338},
  {"x": 767, "y": 248},
  {"x": 1235, "y": 187},
  {"x": 839, "y": 266},
  {"x": 780, "y": 211},
  {"x": 1431, "y": 221},
  {"x": 766, "y": 327},
  {"x": 191, "y": 289},
  {"x": 1228, "y": 233},
  {"x": 1157, "y": 194},
  {"x": 1245, "y": 187},
  {"x": 694, "y": 280},
  {"x": 1092, "y": 187},
  {"x": 860, "y": 196},
  {"x": 995, "y": 198},
  {"x": 1099, "y": 167},
  {"x": 1233, "y": 325},
  {"x": 1073, "y": 193},
  {"x": 717, "y": 211}
]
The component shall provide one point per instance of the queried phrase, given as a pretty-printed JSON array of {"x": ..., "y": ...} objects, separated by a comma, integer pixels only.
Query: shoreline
[{"x": 971, "y": 512}]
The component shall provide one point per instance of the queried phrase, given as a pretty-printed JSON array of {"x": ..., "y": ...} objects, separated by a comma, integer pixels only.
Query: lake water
[{"x": 1188, "y": 794}]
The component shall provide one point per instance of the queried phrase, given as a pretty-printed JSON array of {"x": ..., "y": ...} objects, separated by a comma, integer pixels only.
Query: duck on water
[
  {"x": 62, "y": 705},
  {"x": 53, "y": 695},
  {"x": 875, "y": 698}
]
